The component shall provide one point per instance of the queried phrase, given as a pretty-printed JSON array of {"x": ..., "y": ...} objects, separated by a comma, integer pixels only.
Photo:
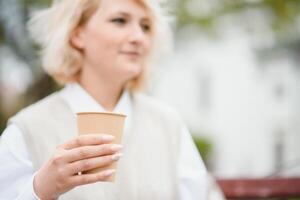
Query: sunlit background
[{"x": 234, "y": 77}]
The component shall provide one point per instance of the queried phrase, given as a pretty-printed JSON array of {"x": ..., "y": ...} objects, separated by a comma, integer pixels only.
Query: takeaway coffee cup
[{"x": 102, "y": 123}]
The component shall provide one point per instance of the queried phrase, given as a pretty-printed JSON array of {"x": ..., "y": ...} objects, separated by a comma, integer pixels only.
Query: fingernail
[
  {"x": 116, "y": 156},
  {"x": 116, "y": 147},
  {"x": 108, "y": 137},
  {"x": 108, "y": 172}
]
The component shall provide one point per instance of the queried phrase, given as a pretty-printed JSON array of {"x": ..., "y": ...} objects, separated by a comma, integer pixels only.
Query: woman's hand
[{"x": 60, "y": 173}]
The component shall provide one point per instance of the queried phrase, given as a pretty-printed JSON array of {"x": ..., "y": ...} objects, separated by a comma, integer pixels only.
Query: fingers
[
  {"x": 91, "y": 178},
  {"x": 89, "y": 139},
  {"x": 91, "y": 151},
  {"x": 92, "y": 163}
]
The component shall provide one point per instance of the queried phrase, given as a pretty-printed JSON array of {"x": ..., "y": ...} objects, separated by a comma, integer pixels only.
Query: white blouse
[{"x": 16, "y": 177}]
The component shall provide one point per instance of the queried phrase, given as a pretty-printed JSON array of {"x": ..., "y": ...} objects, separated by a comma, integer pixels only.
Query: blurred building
[{"x": 246, "y": 103}]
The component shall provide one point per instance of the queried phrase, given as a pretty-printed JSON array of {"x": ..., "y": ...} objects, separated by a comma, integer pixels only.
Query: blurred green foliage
[
  {"x": 204, "y": 147},
  {"x": 2, "y": 122},
  {"x": 284, "y": 12},
  {"x": 1, "y": 35}
]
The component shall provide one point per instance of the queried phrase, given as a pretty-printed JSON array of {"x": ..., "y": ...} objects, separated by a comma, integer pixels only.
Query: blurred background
[{"x": 234, "y": 77}]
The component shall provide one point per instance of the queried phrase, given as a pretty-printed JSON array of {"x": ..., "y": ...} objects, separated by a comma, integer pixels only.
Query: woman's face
[{"x": 116, "y": 40}]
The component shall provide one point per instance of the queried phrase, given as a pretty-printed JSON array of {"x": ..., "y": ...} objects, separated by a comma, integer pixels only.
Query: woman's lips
[{"x": 132, "y": 54}]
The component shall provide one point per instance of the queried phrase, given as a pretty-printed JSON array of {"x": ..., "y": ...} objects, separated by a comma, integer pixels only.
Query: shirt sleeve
[
  {"x": 16, "y": 177},
  {"x": 192, "y": 172}
]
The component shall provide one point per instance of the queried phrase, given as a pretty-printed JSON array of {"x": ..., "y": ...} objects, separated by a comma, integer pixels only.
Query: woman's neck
[{"x": 106, "y": 92}]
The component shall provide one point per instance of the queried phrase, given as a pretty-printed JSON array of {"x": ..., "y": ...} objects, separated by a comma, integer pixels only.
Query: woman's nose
[{"x": 137, "y": 35}]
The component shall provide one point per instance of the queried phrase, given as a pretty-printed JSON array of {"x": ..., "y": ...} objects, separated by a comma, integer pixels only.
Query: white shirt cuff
[
  {"x": 28, "y": 192},
  {"x": 32, "y": 189}
]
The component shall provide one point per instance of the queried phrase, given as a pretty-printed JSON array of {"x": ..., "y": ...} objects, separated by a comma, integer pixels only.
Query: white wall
[{"x": 238, "y": 109}]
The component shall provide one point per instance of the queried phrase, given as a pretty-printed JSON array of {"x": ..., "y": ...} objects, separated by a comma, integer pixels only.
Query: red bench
[{"x": 260, "y": 188}]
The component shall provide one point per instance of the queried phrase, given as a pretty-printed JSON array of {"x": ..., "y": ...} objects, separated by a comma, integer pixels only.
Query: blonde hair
[{"x": 52, "y": 27}]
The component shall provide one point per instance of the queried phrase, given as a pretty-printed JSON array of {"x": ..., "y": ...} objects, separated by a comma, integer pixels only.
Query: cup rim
[{"x": 105, "y": 113}]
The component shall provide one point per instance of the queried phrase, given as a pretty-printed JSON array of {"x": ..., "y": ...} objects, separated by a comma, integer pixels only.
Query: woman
[{"x": 100, "y": 50}]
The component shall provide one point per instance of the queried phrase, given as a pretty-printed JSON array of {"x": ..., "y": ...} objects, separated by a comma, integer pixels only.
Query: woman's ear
[{"x": 77, "y": 39}]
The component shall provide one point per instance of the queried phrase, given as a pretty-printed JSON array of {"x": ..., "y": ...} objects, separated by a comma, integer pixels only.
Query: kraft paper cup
[{"x": 102, "y": 123}]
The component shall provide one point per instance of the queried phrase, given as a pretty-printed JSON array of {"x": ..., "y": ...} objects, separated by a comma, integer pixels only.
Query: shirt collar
[{"x": 80, "y": 101}]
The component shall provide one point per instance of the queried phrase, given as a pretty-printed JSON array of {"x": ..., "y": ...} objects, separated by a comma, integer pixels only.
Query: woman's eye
[
  {"x": 146, "y": 28},
  {"x": 119, "y": 20}
]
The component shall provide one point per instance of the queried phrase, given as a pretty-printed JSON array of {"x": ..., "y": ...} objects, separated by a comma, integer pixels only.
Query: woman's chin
[{"x": 132, "y": 71}]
